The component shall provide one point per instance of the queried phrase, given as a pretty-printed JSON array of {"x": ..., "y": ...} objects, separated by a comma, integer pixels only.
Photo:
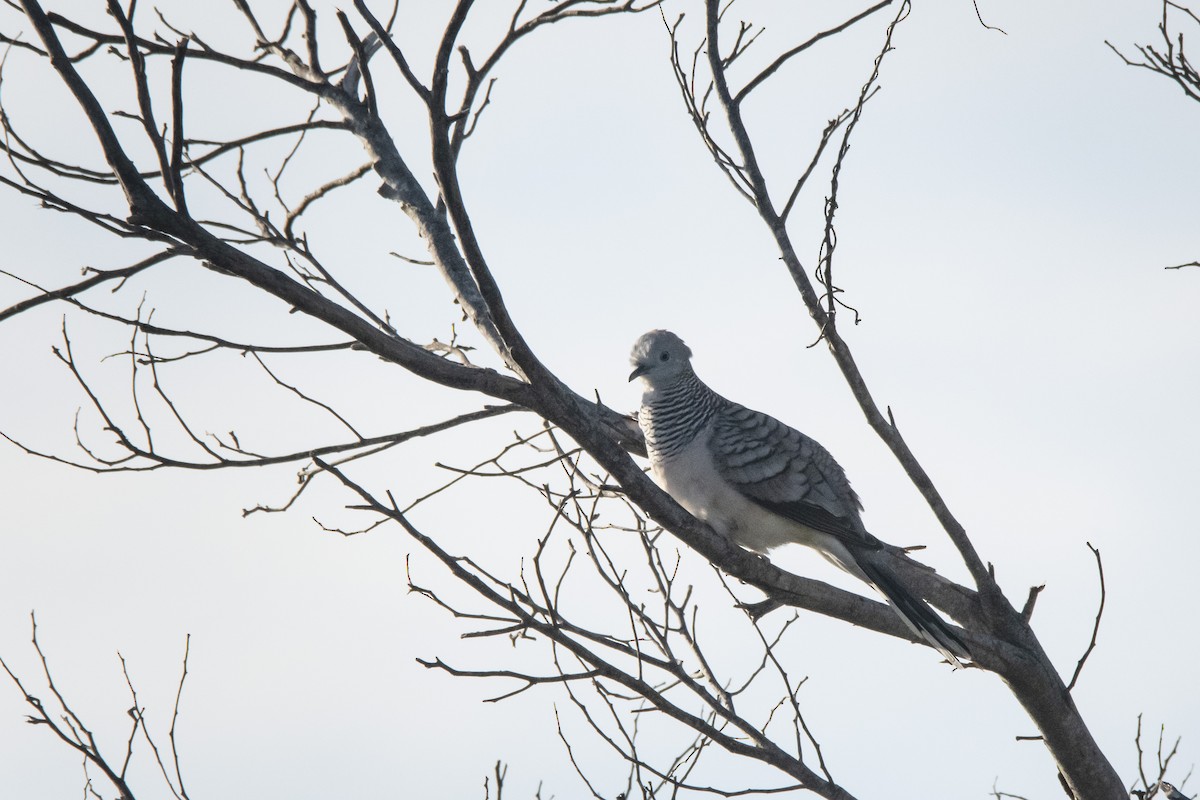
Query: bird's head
[{"x": 659, "y": 357}]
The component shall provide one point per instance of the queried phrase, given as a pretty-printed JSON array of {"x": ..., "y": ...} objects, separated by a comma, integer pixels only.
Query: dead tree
[{"x": 202, "y": 199}]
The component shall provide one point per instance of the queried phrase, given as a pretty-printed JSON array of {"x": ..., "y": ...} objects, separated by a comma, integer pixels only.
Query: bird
[
  {"x": 760, "y": 483},
  {"x": 1171, "y": 792}
]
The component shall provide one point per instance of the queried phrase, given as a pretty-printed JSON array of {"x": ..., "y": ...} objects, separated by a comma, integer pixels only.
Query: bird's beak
[{"x": 638, "y": 371}]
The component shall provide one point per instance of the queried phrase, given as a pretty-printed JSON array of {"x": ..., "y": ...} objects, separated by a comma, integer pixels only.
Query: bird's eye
[{"x": 665, "y": 356}]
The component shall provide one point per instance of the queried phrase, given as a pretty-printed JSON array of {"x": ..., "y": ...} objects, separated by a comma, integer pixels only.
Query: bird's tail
[{"x": 917, "y": 615}]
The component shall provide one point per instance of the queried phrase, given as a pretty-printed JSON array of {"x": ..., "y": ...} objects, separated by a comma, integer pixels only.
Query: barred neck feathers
[{"x": 673, "y": 415}]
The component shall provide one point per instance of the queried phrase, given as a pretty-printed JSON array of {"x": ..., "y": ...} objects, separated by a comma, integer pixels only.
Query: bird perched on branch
[{"x": 760, "y": 483}]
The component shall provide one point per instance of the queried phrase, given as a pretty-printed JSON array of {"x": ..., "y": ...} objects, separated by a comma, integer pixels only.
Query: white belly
[{"x": 692, "y": 479}]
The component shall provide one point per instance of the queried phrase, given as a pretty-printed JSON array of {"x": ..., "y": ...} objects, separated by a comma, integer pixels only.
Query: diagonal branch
[
  {"x": 101, "y": 276},
  {"x": 838, "y": 347},
  {"x": 66, "y": 724},
  {"x": 1096, "y": 627},
  {"x": 759, "y": 747},
  {"x": 1031, "y": 675},
  {"x": 774, "y": 66}
]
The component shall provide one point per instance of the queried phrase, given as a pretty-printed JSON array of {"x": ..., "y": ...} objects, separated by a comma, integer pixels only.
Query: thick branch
[{"x": 1022, "y": 662}]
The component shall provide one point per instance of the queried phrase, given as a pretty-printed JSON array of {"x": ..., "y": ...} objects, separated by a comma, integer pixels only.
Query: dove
[{"x": 760, "y": 483}]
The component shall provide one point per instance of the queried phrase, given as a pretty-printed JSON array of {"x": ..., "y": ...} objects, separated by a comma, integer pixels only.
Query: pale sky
[{"x": 1007, "y": 209}]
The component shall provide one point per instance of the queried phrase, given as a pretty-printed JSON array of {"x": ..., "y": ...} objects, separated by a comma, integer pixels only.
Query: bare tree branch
[
  {"x": 1096, "y": 627},
  {"x": 65, "y": 724},
  {"x": 647, "y": 666}
]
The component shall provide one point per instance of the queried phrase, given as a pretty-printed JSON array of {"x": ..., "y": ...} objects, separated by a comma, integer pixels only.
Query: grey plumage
[
  {"x": 1171, "y": 792},
  {"x": 761, "y": 483}
]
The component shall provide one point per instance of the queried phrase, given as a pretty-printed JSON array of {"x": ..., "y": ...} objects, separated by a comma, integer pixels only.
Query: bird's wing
[{"x": 786, "y": 472}]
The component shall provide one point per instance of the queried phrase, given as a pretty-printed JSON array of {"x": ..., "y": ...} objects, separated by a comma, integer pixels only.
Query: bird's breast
[{"x": 692, "y": 479}]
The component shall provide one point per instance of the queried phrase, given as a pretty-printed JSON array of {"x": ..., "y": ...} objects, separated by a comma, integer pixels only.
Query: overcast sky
[{"x": 1007, "y": 211}]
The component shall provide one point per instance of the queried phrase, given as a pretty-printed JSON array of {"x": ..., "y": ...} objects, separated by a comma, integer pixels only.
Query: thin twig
[{"x": 1095, "y": 627}]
